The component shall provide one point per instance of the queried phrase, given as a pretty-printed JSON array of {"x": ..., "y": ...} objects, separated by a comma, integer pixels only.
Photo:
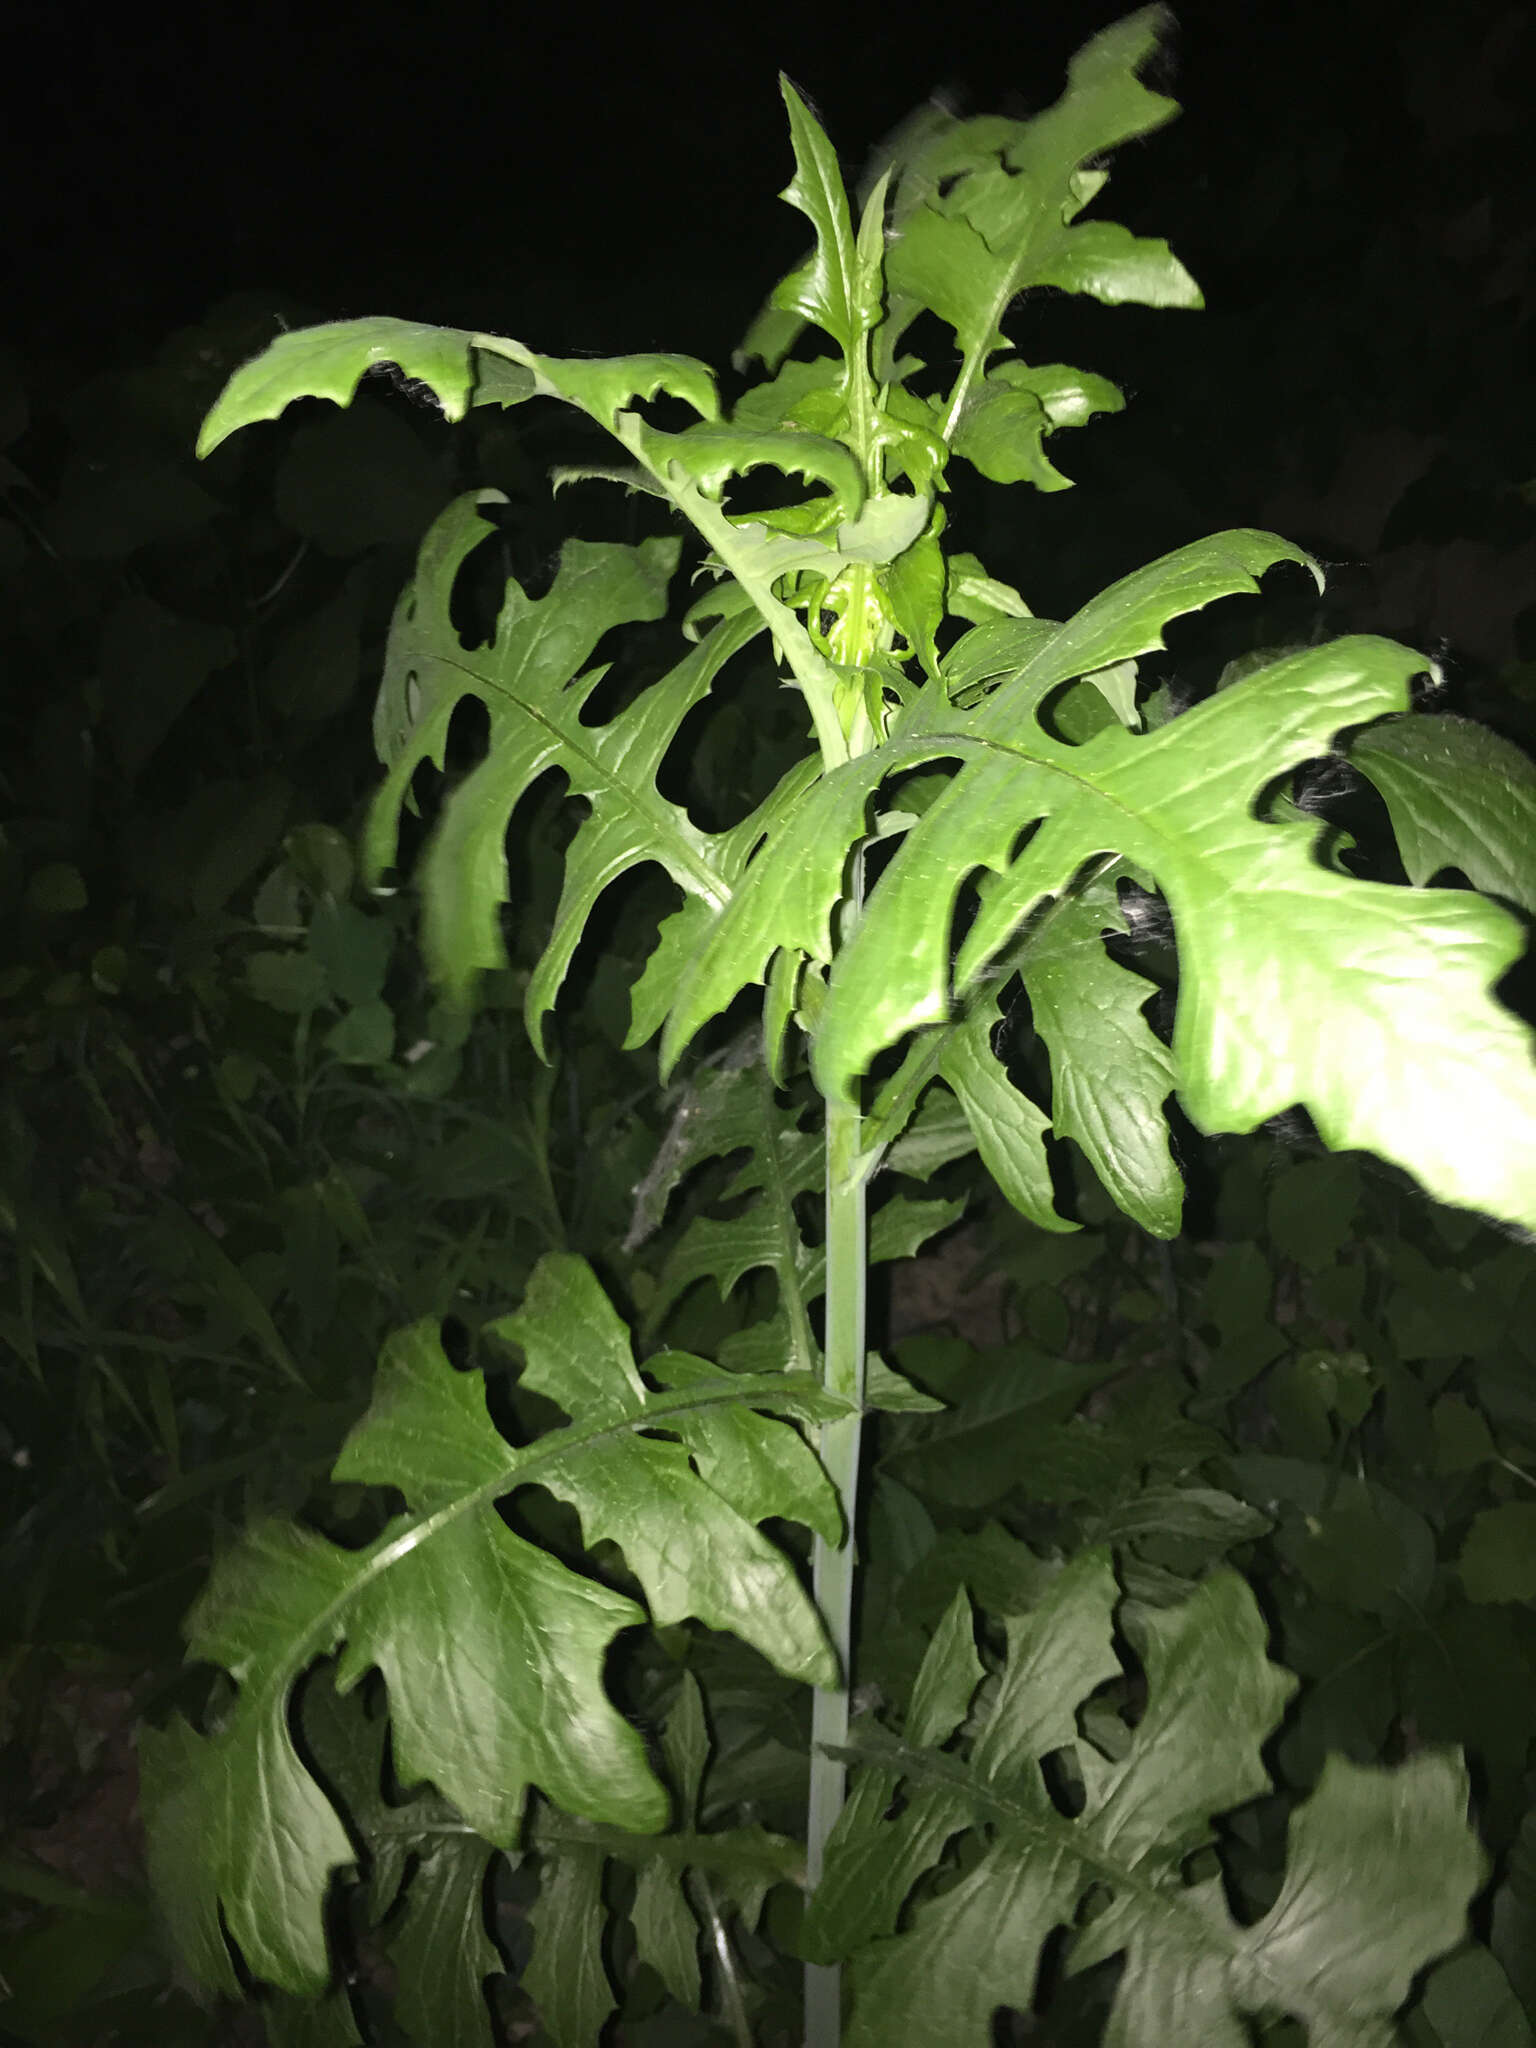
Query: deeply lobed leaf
[
  {"x": 492, "y": 1651},
  {"x": 1339, "y": 1947}
]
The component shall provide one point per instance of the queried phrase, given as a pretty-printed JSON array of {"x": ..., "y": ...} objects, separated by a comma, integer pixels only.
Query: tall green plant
[{"x": 981, "y": 783}]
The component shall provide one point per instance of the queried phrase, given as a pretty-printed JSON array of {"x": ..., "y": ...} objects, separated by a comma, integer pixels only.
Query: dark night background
[{"x": 1341, "y": 182}]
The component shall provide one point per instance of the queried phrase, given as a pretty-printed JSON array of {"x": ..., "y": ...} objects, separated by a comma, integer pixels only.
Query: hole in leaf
[
  {"x": 916, "y": 793},
  {"x": 479, "y": 585},
  {"x": 1015, "y": 1025},
  {"x": 629, "y": 1679},
  {"x": 322, "y": 1723},
  {"x": 468, "y": 740},
  {"x": 1147, "y": 948},
  {"x": 538, "y": 831},
  {"x": 520, "y": 1414},
  {"x": 1021, "y": 840},
  {"x": 352, "y": 1516},
  {"x": 1148, "y": 920},
  {"x": 735, "y": 745},
  {"x": 1063, "y": 1781},
  {"x": 417, "y": 813},
  {"x": 454, "y": 1335},
  {"x": 1106, "y": 1721},
  {"x": 1355, "y": 832},
  {"x": 1066, "y": 711},
  {"x": 634, "y": 654},
  {"x": 1517, "y": 989},
  {"x": 1295, "y": 1127},
  {"x": 666, "y": 412},
  {"x": 1092, "y": 1904},
  {"x": 809, "y": 1217},
  {"x": 549, "y": 1524},
  {"x": 203, "y": 1692},
  {"x": 1050, "y": 1973},
  {"x": 619, "y": 936},
  {"x": 249, "y": 1986}
]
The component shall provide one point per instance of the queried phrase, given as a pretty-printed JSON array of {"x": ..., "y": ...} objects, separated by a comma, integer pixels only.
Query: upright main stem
[{"x": 833, "y": 1566}]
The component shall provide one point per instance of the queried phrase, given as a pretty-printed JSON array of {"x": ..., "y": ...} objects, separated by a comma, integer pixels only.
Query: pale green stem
[{"x": 833, "y": 1565}]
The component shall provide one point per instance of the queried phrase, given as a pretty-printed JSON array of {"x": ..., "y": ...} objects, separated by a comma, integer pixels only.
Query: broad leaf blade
[
  {"x": 1370, "y": 1005},
  {"x": 492, "y": 1651}
]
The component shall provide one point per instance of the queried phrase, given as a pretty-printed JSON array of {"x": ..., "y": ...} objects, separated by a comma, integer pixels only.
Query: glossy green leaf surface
[{"x": 1397, "y": 983}]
